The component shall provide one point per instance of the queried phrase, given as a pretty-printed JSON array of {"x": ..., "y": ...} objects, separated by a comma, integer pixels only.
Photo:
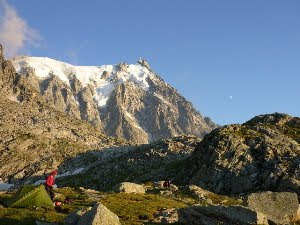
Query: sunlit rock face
[{"x": 128, "y": 101}]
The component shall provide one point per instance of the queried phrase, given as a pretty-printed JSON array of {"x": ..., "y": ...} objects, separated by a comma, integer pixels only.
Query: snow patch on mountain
[
  {"x": 69, "y": 173},
  {"x": 5, "y": 186},
  {"x": 44, "y": 67}
]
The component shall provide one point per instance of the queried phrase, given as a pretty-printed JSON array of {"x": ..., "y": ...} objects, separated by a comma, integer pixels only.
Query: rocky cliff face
[
  {"x": 35, "y": 137},
  {"x": 261, "y": 154},
  {"x": 128, "y": 101}
]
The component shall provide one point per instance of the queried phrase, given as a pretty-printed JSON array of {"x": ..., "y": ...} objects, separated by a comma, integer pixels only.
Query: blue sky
[{"x": 232, "y": 59}]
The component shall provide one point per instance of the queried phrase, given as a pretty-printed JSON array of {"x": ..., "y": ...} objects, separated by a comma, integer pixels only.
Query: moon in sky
[{"x": 230, "y": 96}]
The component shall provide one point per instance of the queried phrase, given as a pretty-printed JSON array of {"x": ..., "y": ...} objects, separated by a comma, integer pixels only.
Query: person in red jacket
[{"x": 49, "y": 184}]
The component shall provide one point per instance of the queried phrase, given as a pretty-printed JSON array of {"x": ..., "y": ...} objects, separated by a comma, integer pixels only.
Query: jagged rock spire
[
  {"x": 1, "y": 53},
  {"x": 7, "y": 69},
  {"x": 144, "y": 62}
]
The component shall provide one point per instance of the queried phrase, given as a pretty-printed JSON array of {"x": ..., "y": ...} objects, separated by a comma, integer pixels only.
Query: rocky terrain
[
  {"x": 160, "y": 160},
  {"x": 237, "y": 174},
  {"x": 35, "y": 137},
  {"x": 261, "y": 154},
  {"x": 154, "y": 204},
  {"x": 128, "y": 101}
]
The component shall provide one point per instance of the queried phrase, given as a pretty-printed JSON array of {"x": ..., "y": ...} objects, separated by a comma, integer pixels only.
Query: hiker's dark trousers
[{"x": 50, "y": 191}]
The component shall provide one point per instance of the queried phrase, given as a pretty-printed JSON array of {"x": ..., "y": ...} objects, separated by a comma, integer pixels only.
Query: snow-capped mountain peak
[
  {"x": 103, "y": 78},
  {"x": 122, "y": 100}
]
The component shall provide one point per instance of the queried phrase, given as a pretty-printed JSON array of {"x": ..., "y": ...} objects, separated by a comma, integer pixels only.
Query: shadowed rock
[
  {"x": 213, "y": 215},
  {"x": 279, "y": 207}
]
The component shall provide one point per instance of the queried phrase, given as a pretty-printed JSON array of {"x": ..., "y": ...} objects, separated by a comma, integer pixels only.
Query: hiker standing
[
  {"x": 49, "y": 184},
  {"x": 167, "y": 183}
]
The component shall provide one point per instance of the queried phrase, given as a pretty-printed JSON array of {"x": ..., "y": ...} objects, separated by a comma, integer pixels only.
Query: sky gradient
[{"x": 232, "y": 59}]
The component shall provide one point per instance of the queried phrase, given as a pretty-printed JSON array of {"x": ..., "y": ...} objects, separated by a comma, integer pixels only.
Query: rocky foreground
[{"x": 151, "y": 203}]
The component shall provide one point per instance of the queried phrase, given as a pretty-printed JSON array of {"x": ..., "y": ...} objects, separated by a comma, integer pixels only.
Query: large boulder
[
  {"x": 97, "y": 215},
  {"x": 73, "y": 218},
  {"x": 213, "y": 215},
  {"x": 128, "y": 187},
  {"x": 279, "y": 207}
]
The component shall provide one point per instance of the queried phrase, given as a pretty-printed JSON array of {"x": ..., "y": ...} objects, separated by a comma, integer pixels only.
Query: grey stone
[
  {"x": 73, "y": 218},
  {"x": 209, "y": 215},
  {"x": 173, "y": 187},
  {"x": 158, "y": 184},
  {"x": 199, "y": 192},
  {"x": 128, "y": 187},
  {"x": 99, "y": 215},
  {"x": 279, "y": 207}
]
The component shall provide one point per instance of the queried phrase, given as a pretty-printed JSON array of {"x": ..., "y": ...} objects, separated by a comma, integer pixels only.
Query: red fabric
[{"x": 50, "y": 181}]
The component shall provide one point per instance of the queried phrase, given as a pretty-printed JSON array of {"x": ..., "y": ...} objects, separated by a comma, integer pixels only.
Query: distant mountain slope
[
  {"x": 35, "y": 137},
  {"x": 128, "y": 101},
  {"x": 157, "y": 161}
]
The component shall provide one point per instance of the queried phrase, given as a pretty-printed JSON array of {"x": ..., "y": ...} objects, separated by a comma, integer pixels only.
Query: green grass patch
[
  {"x": 132, "y": 209},
  {"x": 79, "y": 199},
  {"x": 189, "y": 198},
  {"x": 28, "y": 217},
  {"x": 5, "y": 196},
  {"x": 135, "y": 209},
  {"x": 224, "y": 200}
]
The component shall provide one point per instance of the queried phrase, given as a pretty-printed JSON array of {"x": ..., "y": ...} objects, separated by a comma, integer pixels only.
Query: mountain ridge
[
  {"x": 35, "y": 137},
  {"x": 103, "y": 94}
]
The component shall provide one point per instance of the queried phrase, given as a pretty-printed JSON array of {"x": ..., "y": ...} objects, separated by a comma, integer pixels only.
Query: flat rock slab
[
  {"x": 128, "y": 187},
  {"x": 214, "y": 214},
  {"x": 279, "y": 207}
]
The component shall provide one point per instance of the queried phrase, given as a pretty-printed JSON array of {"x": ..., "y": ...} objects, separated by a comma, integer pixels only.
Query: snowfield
[{"x": 104, "y": 85}]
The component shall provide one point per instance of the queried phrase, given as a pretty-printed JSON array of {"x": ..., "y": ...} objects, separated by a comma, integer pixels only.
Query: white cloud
[{"x": 15, "y": 34}]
